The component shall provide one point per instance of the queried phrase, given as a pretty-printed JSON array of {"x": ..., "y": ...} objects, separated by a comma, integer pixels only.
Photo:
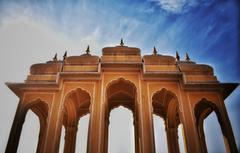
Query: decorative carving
[
  {"x": 177, "y": 56},
  {"x": 121, "y": 43},
  {"x": 65, "y": 56},
  {"x": 88, "y": 50},
  {"x": 187, "y": 58},
  {"x": 55, "y": 58},
  {"x": 154, "y": 51}
]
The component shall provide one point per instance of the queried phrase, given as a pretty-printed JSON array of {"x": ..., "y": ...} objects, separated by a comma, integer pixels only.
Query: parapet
[
  {"x": 121, "y": 54},
  {"x": 159, "y": 63},
  {"x": 44, "y": 71},
  {"x": 48, "y": 68},
  {"x": 197, "y": 73},
  {"x": 123, "y": 58},
  {"x": 82, "y": 63}
]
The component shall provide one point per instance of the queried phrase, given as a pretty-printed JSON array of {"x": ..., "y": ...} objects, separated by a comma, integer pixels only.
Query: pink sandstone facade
[{"x": 60, "y": 92}]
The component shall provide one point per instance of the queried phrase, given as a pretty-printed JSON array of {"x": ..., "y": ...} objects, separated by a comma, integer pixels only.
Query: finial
[
  {"x": 55, "y": 57},
  {"x": 154, "y": 51},
  {"x": 65, "y": 56},
  {"x": 177, "y": 56},
  {"x": 88, "y": 50},
  {"x": 187, "y": 57},
  {"x": 121, "y": 43}
]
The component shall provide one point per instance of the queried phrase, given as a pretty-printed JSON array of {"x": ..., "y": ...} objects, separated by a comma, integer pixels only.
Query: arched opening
[
  {"x": 29, "y": 136},
  {"x": 76, "y": 107},
  {"x": 213, "y": 134},
  {"x": 165, "y": 106},
  {"x": 121, "y": 93},
  {"x": 181, "y": 138},
  {"x": 203, "y": 109},
  {"x": 33, "y": 131},
  {"x": 81, "y": 138},
  {"x": 160, "y": 134},
  {"x": 121, "y": 131},
  {"x": 82, "y": 135}
]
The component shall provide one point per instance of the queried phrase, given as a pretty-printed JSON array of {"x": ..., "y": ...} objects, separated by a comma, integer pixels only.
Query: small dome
[
  {"x": 120, "y": 50},
  {"x": 46, "y": 68},
  {"x": 192, "y": 68},
  {"x": 158, "y": 60},
  {"x": 82, "y": 60}
]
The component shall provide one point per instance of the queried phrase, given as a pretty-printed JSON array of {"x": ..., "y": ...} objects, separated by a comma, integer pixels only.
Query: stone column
[
  {"x": 136, "y": 135},
  {"x": 96, "y": 122},
  {"x": 106, "y": 135},
  {"x": 230, "y": 143},
  {"x": 193, "y": 144},
  {"x": 201, "y": 132},
  {"x": 54, "y": 126},
  {"x": 16, "y": 129},
  {"x": 202, "y": 139},
  {"x": 172, "y": 139},
  {"x": 70, "y": 139},
  {"x": 41, "y": 137},
  {"x": 146, "y": 123}
]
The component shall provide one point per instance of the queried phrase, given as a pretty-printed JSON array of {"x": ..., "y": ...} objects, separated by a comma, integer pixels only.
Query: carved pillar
[
  {"x": 106, "y": 135},
  {"x": 201, "y": 130},
  {"x": 41, "y": 137},
  {"x": 96, "y": 122},
  {"x": 54, "y": 126},
  {"x": 136, "y": 136},
  {"x": 226, "y": 127},
  {"x": 202, "y": 138},
  {"x": 70, "y": 139},
  {"x": 172, "y": 139},
  {"x": 16, "y": 129},
  {"x": 190, "y": 126},
  {"x": 146, "y": 122}
]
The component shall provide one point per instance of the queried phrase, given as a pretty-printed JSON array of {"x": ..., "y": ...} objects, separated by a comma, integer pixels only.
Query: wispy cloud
[
  {"x": 180, "y": 6},
  {"x": 175, "y": 6}
]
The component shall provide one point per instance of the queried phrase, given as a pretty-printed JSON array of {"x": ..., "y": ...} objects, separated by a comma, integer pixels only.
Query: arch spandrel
[
  {"x": 196, "y": 97},
  {"x": 165, "y": 104},
  {"x": 121, "y": 92},
  {"x": 39, "y": 107},
  {"x": 40, "y": 104},
  {"x": 89, "y": 87},
  {"x": 204, "y": 107},
  {"x": 111, "y": 76},
  {"x": 154, "y": 87},
  {"x": 32, "y": 97},
  {"x": 133, "y": 83},
  {"x": 77, "y": 103},
  {"x": 115, "y": 79}
]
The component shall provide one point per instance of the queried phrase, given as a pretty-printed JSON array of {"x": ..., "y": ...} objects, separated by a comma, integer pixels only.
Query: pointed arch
[
  {"x": 165, "y": 104},
  {"x": 77, "y": 103},
  {"x": 121, "y": 92},
  {"x": 202, "y": 110}
]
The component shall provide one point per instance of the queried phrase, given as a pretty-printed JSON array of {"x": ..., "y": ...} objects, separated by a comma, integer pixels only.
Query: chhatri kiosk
[{"x": 60, "y": 92}]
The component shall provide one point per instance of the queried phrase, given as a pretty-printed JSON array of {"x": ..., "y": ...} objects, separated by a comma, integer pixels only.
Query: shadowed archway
[
  {"x": 121, "y": 92},
  {"x": 165, "y": 105},
  {"x": 76, "y": 105}
]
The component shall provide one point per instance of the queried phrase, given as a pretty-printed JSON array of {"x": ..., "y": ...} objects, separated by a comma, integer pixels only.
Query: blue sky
[{"x": 33, "y": 31}]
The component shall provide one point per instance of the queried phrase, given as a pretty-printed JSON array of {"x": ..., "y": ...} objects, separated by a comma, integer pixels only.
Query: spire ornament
[
  {"x": 88, "y": 50},
  {"x": 55, "y": 58},
  {"x": 154, "y": 51},
  {"x": 187, "y": 58},
  {"x": 121, "y": 43},
  {"x": 177, "y": 56},
  {"x": 65, "y": 56}
]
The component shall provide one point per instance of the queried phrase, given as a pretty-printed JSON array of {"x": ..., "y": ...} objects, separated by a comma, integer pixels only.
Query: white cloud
[{"x": 176, "y": 6}]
